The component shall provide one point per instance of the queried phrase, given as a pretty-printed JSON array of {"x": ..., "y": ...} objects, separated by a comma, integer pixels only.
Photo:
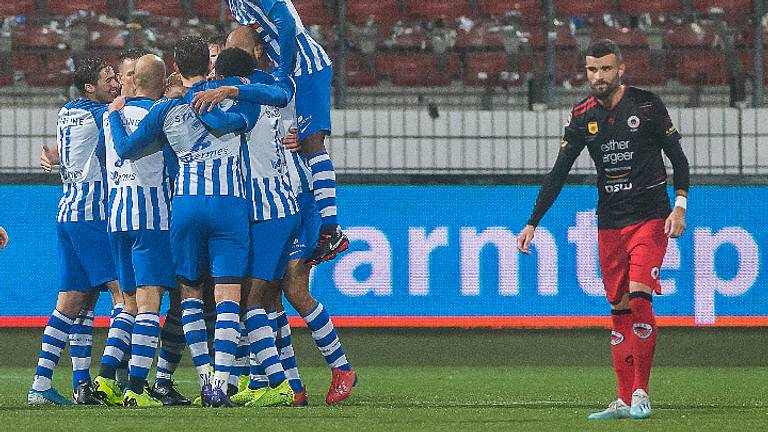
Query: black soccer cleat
[
  {"x": 84, "y": 395},
  {"x": 328, "y": 246},
  {"x": 167, "y": 394}
]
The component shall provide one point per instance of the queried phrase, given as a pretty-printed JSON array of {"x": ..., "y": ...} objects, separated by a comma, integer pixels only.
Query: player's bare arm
[
  {"x": 49, "y": 157},
  {"x": 525, "y": 238},
  {"x": 117, "y": 104},
  {"x": 674, "y": 226},
  {"x": 3, "y": 238}
]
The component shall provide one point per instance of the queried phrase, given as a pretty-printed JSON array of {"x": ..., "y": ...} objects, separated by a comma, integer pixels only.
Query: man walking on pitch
[{"x": 624, "y": 129}]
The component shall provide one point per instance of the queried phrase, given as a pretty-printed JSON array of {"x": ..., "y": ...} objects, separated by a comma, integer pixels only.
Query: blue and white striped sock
[
  {"x": 118, "y": 342},
  {"x": 172, "y": 344},
  {"x": 146, "y": 333},
  {"x": 263, "y": 345},
  {"x": 240, "y": 367},
  {"x": 55, "y": 338},
  {"x": 226, "y": 339},
  {"x": 80, "y": 347},
  {"x": 324, "y": 185},
  {"x": 325, "y": 338},
  {"x": 197, "y": 338},
  {"x": 116, "y": 309},
  {"x": 287, "y": 355}
]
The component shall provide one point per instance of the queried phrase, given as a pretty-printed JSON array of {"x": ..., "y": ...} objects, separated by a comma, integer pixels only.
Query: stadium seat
[
  {"x": 624, "y": 37},
  {"x": 634, "y": 7},
  {"x": 583, "y": 7},
  {"x": 359, "y": 74},
  {"x": 741, "y": 6},
  {"x": 314, "y": 12},
  {"x": 479, "y": 38},
  {"x": 432, "y": 9},
  {"x": 412, "y": 70},
  {"x": 170, "y": 8},
  {"x": 564, "y": 37},
  {"x": 640, "y": 70},
  {"x": 485, "y": 69},
  {"x": 383, "y": 11},
  {"x": 502, "y": 7},
  {"x": 106, "y": 37},
  {"x": 6, "y": 79},
  {"x": 44, "y": 68},
  {"x": 36, "y": 37},
  {"x": 211, "y": 10},
  {"x": 415, "y": 38},
  {"x": 685, "y": 36},
  {"x": 705, "y": 66},
  {"x": 17, "y": 7},
  {"x": 69, "y": 7}
]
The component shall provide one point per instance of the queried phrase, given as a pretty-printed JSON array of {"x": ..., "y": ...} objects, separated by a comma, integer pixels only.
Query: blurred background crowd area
[{"x": 701, "y": 51}]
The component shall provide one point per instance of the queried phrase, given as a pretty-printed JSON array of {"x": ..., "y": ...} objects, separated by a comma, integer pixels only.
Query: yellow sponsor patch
[
  {"x": 592, "y": 127},
  {"x": 671, "y": 130},
  {"x": 563, "y": 144}
]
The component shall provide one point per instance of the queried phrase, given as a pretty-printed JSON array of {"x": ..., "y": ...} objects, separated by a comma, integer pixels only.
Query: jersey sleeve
[
  {"x": 233, "y": 120},
  {"x": 278, "y": 94},
  {"x": 570, "y": 148},
  {"x": 670, "y": 143},
  {"x": 145, "y": 135},
  {"x": 277, "y": 12}
]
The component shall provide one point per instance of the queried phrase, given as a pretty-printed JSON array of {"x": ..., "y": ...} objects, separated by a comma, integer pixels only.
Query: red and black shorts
[{"x": 633, "y": 253}]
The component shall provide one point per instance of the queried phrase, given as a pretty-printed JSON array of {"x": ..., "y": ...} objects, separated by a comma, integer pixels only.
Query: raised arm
[{"x": 285, "y": 24}]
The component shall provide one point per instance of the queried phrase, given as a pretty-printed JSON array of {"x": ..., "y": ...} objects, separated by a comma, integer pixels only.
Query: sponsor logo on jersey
[
  {"x": 618, "y": 187},
  {"x": 117, "y": 178},
  {"x": 655, "y": 273},
  {"x": 564, "y": 143},
  {"x": 642, "y": 330},
  {"x": 616, "y": 338},
  {"x": 633, "y": 122},
  {"x": 592, "y": 127},
  {"x": 671, "y": 130}
]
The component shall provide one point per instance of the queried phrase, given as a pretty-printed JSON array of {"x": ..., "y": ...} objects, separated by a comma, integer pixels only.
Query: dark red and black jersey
[{"x": 626, "y": 144}]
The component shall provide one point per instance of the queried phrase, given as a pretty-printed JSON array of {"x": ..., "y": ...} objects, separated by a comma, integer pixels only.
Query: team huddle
[{"x": 183, "y": 184}]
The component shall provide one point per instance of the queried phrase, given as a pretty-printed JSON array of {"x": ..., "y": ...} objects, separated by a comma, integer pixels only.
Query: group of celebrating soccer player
[{"x": 183, "y": 184}]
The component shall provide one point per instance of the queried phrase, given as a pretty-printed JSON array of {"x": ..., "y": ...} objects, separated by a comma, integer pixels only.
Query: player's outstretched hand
[
  {"x": 3, "y": 238},
  {"x": 206, "y": 100},
  {"x": 675, "y": 223},
  {"x": 117, "y": 104},
  {"x": 48, "y": 158},
  {"x": 291, "y": 141},
  {"x": 525, "y": 238}
]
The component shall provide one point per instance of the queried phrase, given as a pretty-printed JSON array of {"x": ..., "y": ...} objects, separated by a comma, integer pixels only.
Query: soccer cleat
[
  {"x": 140, "y": 400},
  {"x": 300, "y": 398},
  {"x": 220, "y": 399},
  {"x": 328, "y": 246},
  {"x": 206, "y": 395},
  {"x": 107, "y": 391},
  {"x": 248, "y": 395},
  {"x": 242, "y": 382},
  {"x": 282, "y": 395},
  {"x": 341, "y": 385},
  {"x": 84, "y": 395},
  {"x": 641, "y": 405},
  {"x": 167, "y": 394},
  {"x": 47, "y": 397},
  {"x": 617, "y": 409}
]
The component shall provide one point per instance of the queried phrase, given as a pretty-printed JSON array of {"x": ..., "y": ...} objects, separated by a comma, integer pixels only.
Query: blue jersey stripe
[
  {"x": 217, "y": 177},
  {"x": 200, "y": 168},
  {"x": 270, "y": 198},
  {"x": 120, "y": 209},
  {"x": 129, "y": 222},
  {"x": 258, "y": 203},
  {"x": 142, "y": 207},
  {"x": 153, "y": 197}
]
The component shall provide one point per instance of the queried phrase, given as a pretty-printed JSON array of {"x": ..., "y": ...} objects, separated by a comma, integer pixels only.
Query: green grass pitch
[{"x": 450, "y": 380}]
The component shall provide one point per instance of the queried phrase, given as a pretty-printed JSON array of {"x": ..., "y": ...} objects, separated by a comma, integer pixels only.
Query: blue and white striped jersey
[
  {"x": 268, "y": 183},
  {"x": 311, "y": 57},
  {"x": 298, "y": 167},
  {"x": 80, "y": 142},
  {"x": 139, "y": 189}
]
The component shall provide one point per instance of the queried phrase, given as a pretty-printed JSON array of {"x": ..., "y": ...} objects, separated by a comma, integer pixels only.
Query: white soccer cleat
[
  {"x": 618, "y": 409},
  {"x": 641, "y": 405}
]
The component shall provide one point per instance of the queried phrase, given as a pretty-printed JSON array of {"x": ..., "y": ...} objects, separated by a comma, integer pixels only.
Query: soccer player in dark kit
[{"x": 625, "y": 130}]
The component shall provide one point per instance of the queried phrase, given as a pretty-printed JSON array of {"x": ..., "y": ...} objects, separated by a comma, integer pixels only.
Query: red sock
[
  {"x": 621, "y": 350},
  {"x": 643, "y": 337}
]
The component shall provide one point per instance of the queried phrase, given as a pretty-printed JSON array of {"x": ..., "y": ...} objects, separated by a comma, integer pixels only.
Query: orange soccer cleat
[{"x": 341, "y": 385}]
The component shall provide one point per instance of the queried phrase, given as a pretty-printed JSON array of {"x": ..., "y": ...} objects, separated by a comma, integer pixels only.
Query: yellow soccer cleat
[
  {"x": 282, "y": 395},
  {"x": 140, "y": 400},
  {"x": 242, "y": 382},
  {"x": 107, "y": 390},
  {"x": 249, "y": 395}
]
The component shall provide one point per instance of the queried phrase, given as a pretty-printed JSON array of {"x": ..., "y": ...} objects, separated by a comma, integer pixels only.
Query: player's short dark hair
[
  {"x": 602, "y": 48},
  {"x": 133, "y": 53},
  {"x": 87, "y": 71},
  {"x": 219, "y": 39},
  {"x": 191, "y": 56},
  {"x": 234, "y": 62}
]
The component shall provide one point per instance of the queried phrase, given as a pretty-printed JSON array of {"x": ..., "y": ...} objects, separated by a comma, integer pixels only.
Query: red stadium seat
[
  {"x": 6, "y": 79},
  {"x": 640, "y": 70},
  {"x": 624, "y": 37},
  {"x": 211, "y": 10},
  {"x": 479, "y": 38},
  {"x": 36, "y": 37},
  {"x": 383, "y": 11},
  {"x": 27, "y": 62},
  {"x": 635, "y": 7},
  {"x": 485, "y": 68},
  {"x": 564, "y": 37},
  {"x": 686, "y": 37},
  {"x": 359, "y": 74},
  {"x": 412, "y": 70},
  {"x": 583, "y": 7},
  {"x": 69, "y": 7},
  {"x": 170, "y": 8},
  {"x": 431, "y": 9},
  {"x": 44, "y": 68},
  {"x": 501, "y": 7},
  {"x": 743, "y": 6},
  {"x": 707, "y": 67},
  {"x": 414, "y": 37},
  {"x": 17, "y": 7},
  {"x": 314, "y": 12},
  {"x": 106, "y": 37}
]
